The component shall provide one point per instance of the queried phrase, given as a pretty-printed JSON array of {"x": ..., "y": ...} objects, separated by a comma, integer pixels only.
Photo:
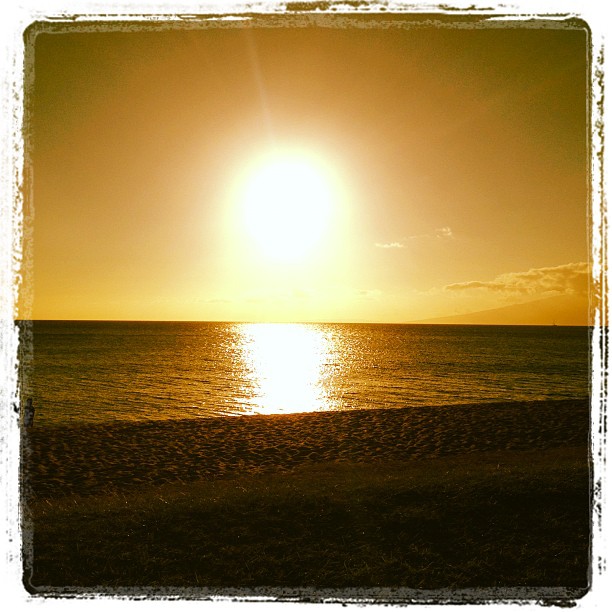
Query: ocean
[{"x": 100, "y": 372}]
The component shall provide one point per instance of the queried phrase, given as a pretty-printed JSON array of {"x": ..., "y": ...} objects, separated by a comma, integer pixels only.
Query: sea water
[{"x": 78, "y": 372}]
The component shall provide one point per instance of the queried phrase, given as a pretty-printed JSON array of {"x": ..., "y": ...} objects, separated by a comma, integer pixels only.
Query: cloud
[
  {"x": 440, "y": 233},
  {"x": 444, "y": 232},
  {"x": 370, "y": 294},
  {"x": 568, "y": 279},
  {"x": 390, "y": 245}
]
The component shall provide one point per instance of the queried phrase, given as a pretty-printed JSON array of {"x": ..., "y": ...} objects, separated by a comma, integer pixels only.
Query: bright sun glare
[
  {"x": 287, "y": 203},
  {"x": 287, "y": 367}
]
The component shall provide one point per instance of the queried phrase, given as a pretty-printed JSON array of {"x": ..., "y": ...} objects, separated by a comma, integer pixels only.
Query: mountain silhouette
[{"x": 556, "y": 310}]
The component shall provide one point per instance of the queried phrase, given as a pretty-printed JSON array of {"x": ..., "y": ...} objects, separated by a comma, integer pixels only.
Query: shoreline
[{"x": 97, "y": 458}]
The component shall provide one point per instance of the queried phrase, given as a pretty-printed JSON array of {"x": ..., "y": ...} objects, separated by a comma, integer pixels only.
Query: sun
[{"x": 287, "y": 203}]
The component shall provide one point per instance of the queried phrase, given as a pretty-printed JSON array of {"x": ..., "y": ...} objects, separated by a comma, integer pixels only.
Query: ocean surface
[{"x": 79, "y": 372}]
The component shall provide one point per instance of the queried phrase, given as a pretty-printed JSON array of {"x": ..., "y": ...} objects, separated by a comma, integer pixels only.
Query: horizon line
[{"x": 252, "y": 322}]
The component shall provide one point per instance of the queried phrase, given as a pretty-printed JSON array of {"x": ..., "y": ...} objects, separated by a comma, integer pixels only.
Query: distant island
[{"x": 556, "y": 310}]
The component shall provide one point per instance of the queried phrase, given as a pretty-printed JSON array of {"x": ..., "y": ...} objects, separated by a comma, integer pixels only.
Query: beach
[
  {"x": 464, "y": 496},
  {"x": 93, "y": 459}
]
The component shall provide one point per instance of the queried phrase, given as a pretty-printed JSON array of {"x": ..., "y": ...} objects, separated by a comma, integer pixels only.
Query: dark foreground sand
[{"x": 90, "y": 459}]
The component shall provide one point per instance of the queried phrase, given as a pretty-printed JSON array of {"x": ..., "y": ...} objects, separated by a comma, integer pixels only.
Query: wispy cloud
[
  {"x": 440, "y": 233},
  {"x": 370, "y": 294},
  {"x": 571, "y": 279},
  {"x": 444, "y": 232},
  {"x": 389, "y": 245}
]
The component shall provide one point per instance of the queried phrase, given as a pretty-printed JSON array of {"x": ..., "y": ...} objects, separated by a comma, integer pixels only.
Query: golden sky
[{"x": 318, "y": 173}]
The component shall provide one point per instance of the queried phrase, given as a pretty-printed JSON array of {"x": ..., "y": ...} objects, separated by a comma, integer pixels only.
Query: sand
[{"x": 94, "y": 459}]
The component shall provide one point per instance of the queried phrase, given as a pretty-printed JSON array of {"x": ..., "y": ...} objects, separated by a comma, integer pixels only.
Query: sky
[{"x": 322, "y": 173}]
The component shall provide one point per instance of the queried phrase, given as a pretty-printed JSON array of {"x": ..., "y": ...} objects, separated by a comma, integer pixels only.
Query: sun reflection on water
[{"x": 286, "y": 366}]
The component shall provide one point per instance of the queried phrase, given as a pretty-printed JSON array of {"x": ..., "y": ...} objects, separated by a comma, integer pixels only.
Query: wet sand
[{"x": 93, "y": 459}]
